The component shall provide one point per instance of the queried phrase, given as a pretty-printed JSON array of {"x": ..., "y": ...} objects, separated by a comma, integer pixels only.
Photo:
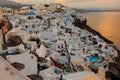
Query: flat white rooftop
[
  {"x": 7, "y": 72},
  {"x": 81, "y": 76}
]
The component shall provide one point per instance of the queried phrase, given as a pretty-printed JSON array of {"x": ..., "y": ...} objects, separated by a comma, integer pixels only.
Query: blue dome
[{"x": 31, "y": 13}]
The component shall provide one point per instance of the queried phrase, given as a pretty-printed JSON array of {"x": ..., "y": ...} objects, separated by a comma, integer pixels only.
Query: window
[
  {"x": 32, "y": 57},
  {"x": 29, "y": 18},
  {"x": 30, "y": 32},
  {"x": 58, "y": 46},
  {"x": 26, "y": 26},
  {"x": 105, "y": 66}
]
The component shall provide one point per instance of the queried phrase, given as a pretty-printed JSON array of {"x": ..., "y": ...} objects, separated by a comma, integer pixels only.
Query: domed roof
[
  {"x": 18, "y": 66},
  {"x": 35, "y": 77},
  {"x": 14, "y": 40},
  {"x": 31, "y": 13}
]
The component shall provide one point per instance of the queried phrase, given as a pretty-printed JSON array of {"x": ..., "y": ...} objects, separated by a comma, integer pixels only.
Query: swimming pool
[{"x": 93, "y": 59}]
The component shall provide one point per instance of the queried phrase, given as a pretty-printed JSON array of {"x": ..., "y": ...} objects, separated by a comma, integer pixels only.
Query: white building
[
  {"x": 1, "y": 40},
  {"x": 7, "y": 72},
  {"x": 25, "y": 36},
  {"x": 81, "y": 76},
  {"x": 52, "y": 73},
  {"x": 29, "y": 60},
  {"x": 42, "y": 51},
  {"x": 31, "y": 45}
]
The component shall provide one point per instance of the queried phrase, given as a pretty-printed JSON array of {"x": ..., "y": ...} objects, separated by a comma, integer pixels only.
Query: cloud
[
  {"x": 79, "y": 3},
  {"x": 35, "y": 1}
]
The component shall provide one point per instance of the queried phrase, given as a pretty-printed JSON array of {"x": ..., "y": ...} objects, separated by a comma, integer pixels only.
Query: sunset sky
[{"x": 79, "y": 3}]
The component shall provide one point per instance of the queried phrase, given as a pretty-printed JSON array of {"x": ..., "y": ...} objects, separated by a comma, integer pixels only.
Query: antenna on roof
[{"x": 61, "y": 77}]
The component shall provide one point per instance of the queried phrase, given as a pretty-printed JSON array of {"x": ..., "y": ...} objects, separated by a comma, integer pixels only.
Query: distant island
[{"x": 11, "y": 4}]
